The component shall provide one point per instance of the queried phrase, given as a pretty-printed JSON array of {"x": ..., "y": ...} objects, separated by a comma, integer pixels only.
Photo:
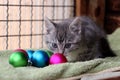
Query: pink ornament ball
[{"x": 57, "y": 58}]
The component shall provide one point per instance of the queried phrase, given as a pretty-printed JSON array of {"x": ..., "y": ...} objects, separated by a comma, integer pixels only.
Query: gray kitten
[{"x": 79, "y": 39}]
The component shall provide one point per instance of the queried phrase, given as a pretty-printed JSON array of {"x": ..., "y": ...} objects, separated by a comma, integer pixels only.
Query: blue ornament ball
[
  {"x": 30, "y": 53},
  {"x": 40, "y": 58}
]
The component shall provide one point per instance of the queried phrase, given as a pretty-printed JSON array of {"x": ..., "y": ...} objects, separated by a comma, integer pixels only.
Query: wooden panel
[
  {"x": 93, "y": 8},
  {"x": 112, "y": 16},
  {"x": 81, "y": 7},
  {"x": 113, "y": 5},
  {"x": 105, "y": 12},
  {"x": 112, "y": 22},
  {"x": 96, "y": 11}
]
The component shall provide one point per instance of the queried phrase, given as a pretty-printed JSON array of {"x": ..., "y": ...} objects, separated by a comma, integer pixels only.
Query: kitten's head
[{"x": 64, "y": 37}]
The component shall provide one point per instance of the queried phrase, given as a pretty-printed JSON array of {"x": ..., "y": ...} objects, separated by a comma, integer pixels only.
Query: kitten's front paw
[{"x": 72, "y": 59}]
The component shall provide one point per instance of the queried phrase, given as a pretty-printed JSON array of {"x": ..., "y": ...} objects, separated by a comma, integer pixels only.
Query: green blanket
[{"x": 60, "y": 71}]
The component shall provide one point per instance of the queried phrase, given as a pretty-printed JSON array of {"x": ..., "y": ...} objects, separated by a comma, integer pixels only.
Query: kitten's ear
[
  {"x": 49, "y": 25},
  {"x": 76, "y": 26}
]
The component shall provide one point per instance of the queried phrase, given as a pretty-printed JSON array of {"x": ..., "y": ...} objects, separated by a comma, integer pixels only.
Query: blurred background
[{"x": 22, "y": 21}]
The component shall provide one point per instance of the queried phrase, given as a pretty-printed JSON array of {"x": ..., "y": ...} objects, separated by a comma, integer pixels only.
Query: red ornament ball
[
  {"x": 21, "y": 50},
  {"x": 57, "y": 58}
]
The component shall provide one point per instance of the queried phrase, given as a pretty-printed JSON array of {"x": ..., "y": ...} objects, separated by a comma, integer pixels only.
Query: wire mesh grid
[{"x": 22, "y": 21}]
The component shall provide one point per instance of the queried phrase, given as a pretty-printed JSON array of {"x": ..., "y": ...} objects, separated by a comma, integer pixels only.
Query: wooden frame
[
  {"x": 92, "y": 8},
  {"x": 81, "y": 6},
  {"x": 112, "y": 15},
  {"x": 106, "y": 13}
]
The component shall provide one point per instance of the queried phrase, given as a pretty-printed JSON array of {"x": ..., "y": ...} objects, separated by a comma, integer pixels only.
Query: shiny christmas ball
[
  {"x": 30, "y": 53},
  {"x": 40, "y": 58},
  {"x": 57, "y": 58},
  {"x": 48, "y": 52},
  {"x": 18, "y": 59},
  {"x": 21, "y": 50}
]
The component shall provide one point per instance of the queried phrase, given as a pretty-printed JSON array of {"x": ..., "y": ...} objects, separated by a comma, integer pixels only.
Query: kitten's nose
[{"x": 61, "y": 51}]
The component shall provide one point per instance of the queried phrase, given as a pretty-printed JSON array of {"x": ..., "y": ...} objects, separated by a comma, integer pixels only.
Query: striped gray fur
[{"x": 79, "y": 39}]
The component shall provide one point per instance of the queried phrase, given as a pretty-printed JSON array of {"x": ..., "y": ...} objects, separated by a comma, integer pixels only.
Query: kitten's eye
[
  {"x": 68, "y": 45},
  {"x": 54, "y": 45}
]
